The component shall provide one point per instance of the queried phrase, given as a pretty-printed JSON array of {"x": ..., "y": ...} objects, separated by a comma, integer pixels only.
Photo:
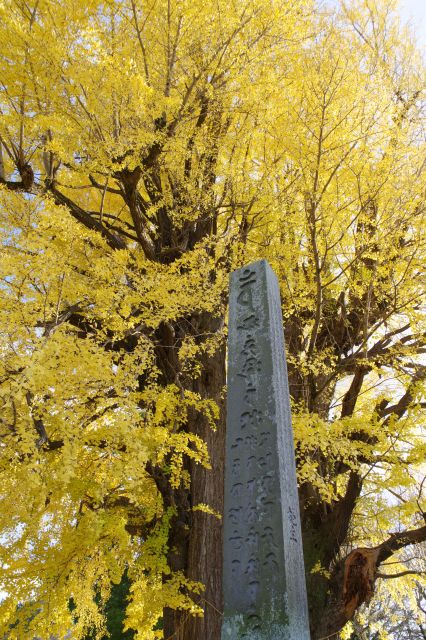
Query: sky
[{"x": 414, "y": 12}]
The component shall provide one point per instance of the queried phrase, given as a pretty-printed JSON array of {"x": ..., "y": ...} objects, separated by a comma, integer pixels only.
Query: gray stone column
[{"x": 264, "y": 578}]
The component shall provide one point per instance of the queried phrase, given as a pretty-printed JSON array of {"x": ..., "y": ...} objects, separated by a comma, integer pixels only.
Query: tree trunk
[
  {"x": 205, "y": 541},
  {"x": 201, "y": 548}
]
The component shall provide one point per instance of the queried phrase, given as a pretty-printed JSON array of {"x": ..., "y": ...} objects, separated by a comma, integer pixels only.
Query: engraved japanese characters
[{"x": 264, "y": 587}]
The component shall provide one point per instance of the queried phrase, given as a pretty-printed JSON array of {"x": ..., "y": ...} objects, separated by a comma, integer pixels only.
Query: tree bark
[
  {"x": 195, "y": 540},
  {"x": 205, "y": 540}
]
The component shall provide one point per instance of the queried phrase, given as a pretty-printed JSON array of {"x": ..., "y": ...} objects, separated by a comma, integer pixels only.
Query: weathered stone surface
[{"x": 264, "y": 580}]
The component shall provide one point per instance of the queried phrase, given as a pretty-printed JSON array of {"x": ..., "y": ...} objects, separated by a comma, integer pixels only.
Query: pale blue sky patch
[{"x": 414, "y": 13}]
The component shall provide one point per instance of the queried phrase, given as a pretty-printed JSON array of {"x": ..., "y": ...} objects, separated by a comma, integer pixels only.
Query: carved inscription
[
  {"x": 292, "y": 518},
  {"x": 253, "y": 478}
]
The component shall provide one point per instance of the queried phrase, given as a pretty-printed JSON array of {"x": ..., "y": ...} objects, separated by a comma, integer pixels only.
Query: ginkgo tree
[{"x": 146, "y": 150}]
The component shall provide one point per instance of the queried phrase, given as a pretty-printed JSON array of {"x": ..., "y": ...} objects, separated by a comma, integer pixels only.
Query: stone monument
[{"x": 264, "y": 578}]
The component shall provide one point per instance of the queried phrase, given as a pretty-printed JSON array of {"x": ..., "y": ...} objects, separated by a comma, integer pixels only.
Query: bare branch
[{"x": 408, "y": 572}]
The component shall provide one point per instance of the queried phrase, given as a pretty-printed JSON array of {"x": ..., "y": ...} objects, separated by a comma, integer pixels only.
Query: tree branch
[
  {"x": 27, "y": 178},
  {"x": 102, "y": 187},
  {"x": 389, "y": 576},
  {"x": 404, "y": 402},
  {"x": 397, "y": 541},
  {"x": 86, "y": 219}
]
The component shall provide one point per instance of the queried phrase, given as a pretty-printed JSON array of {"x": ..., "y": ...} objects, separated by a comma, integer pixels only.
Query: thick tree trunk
[
  {"x": 196, "y": 537},
  {"x": 205, "y": 541}
]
